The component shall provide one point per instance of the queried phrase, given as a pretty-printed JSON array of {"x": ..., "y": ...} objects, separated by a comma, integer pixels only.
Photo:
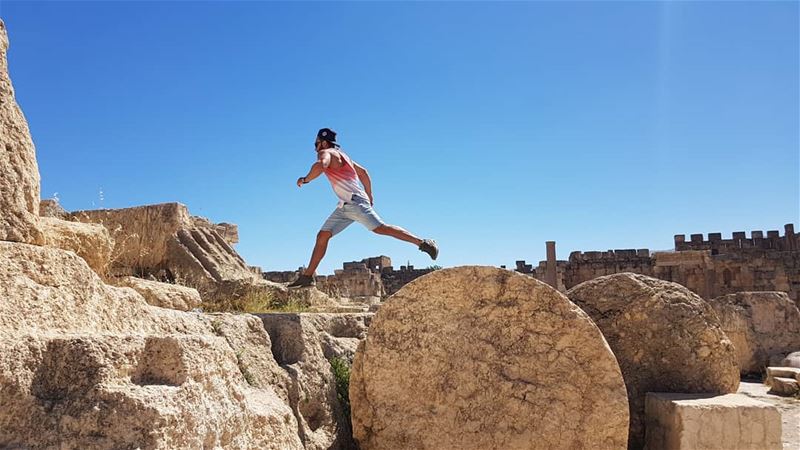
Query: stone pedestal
[{"x": 705, "y": 422}]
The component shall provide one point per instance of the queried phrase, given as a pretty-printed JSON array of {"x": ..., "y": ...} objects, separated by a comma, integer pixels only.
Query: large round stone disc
[
  {"x": 665, "y": 337},
  {"x": 485, "y": 358}
]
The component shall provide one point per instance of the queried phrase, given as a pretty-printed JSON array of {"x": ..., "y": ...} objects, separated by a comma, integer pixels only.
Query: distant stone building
[
  {"x": 710, "y": 267},
  {"x": 369, "y": 278}
]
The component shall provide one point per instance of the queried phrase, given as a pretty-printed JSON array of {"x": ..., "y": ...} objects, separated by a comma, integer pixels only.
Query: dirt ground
[{"x": 788, "y": 406}]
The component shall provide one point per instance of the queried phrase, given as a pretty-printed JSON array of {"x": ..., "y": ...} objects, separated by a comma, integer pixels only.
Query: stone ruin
[
  {"x": 85, "y": 364},
  {"x": 469, "y": 357},
  {"x": 710, "y": 268},
  {"x": 370, "y": 279}
]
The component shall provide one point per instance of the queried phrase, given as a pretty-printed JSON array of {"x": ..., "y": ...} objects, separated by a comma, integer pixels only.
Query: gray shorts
[{"x": 358, "y": 210}]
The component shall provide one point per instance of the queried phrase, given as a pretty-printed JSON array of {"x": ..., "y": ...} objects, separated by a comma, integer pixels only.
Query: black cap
[{"x": 326, "y": 134}]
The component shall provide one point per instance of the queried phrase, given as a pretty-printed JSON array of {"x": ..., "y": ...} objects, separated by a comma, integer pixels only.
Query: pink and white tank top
[{"x": 344, "y": 179}]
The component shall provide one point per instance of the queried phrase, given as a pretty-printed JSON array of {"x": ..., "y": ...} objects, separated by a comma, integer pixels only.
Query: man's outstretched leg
[
  {"x": 426, "y": 245},
  {"x": 306, "y": 278}
]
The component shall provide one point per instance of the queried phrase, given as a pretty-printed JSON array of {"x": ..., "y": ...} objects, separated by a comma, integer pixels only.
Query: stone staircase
[{"x": 783, "y": 380}]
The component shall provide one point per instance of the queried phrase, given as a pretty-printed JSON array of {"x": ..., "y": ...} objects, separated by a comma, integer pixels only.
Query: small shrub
[{"x": 341, "y": 374}]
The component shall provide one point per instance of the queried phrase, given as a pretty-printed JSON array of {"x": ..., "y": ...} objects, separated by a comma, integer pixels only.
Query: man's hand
[{"x": 301, "y": 181}]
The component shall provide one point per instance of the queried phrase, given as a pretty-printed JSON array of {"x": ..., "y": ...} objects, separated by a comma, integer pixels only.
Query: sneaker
[
  {"x": 429, "y": 246},
  {"x": 302, "y": 281}
]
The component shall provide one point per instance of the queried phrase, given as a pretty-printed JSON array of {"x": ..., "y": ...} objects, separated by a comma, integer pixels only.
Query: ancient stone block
[
  {"x": 479, "y": 358},
  {"x": 165, "y": 242},
  {"x": 784, "y": 386},
  {"x": 90, "y": 241},
  {"x": 51, "y": 208},
  {"x": 781, "y": 372},
  {"x": 698, "y": 421},
  {"x": 760, "y": 324},
  {"x": 164, "y": 295},
  {"x": 665, "y": 338},
  {"x": 90, "y": 366}
]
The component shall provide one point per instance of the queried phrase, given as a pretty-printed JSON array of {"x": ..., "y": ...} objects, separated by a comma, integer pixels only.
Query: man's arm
[
  {"x": 315, "y": 171},
  {"x": 363, "y": 175},
  {"x": 323, "y": 161}
]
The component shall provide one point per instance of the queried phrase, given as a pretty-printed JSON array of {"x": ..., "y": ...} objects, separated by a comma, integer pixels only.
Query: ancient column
[{"x": 550, "y": 268}]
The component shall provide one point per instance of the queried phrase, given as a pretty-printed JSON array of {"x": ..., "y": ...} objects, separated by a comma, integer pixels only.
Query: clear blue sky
[{"x": 490, "y": 127}]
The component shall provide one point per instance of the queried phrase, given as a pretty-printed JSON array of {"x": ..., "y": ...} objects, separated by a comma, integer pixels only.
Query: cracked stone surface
[
  {"x": 760, "y": 325},
  {"x": 665, "y": 337},
  {"x": 84, "y": 365},
  {"x": 19, "y": 172},
  {"x": 480, "y": 357}
]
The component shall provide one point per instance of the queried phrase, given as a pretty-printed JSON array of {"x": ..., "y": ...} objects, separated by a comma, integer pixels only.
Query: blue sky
[{"x": 491, "y": 127}]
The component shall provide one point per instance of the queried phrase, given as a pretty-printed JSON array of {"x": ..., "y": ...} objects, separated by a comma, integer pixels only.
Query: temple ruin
[
  {"x": 373, "y": 277},
  {"x": 709, "y": 267}
]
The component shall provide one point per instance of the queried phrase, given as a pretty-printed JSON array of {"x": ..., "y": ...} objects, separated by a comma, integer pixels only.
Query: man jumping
[{"x": 355, "y": 203}]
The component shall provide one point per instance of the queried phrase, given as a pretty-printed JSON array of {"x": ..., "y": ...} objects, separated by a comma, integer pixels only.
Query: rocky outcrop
[
  {"x": 665, "y": 337},
  {"x": 478, "y": 358},
  {"x": 305, "y": 344},
  {"x": 760, "y": 324},
  {"x": 85, "y": 365},
  {"x": 90, "y": 241},
  {"x": 164, "y": 295},
  {"x": 19, "y": 173},
  {"x": 165, "y": 242}
]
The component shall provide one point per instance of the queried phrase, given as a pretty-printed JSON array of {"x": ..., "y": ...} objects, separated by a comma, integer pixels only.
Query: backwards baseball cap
[{"x": 326, "y": 134}]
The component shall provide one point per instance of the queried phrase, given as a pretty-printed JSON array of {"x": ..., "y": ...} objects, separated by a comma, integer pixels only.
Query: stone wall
[
  {"x": 370, "y": 277},
  {"x": 354, "y": 280},
  {"x": 710, "y": 267},
  {"x": 393, "y": 280}
]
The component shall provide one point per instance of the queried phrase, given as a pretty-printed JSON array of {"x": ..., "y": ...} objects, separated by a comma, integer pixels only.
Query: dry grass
[{"x": 256, "y": 302}]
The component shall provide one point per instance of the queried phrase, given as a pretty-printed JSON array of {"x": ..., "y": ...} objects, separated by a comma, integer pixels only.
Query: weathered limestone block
[
  {"x": 665, "y": 338},
  {"x": 164, "y": 241},
  {"x": 228, "y": 231},
  {"x": 90, "y": 366},
  {"x": 96, "y": 391},
  {"x": 760, "y": 324},
  {"x": 19, "y": 173},
  {"x": 90, "y": 241},
  {"x": 704, "y": 422},
  {"x": 164, "y": 295},
  {"x": 141, "y": 233},
  {"x": 784, "y": 386},
  {"x": 51, "y": 208},
  {"x": 304, "y": 344},
  {"x": 784, "y": 372},
  {"x": 791, "y": 360},
  {"x": 480, "y": 358}
]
